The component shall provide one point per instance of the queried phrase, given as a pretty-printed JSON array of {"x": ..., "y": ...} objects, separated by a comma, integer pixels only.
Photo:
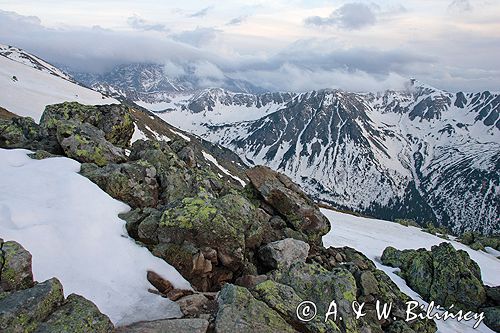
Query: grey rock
[
  {"x": 15, "y": 264},
  {"x": 22, "y": 311},
  {"x": 239, "y": 311},
  {"x": 76, "y": 315},
  {"x": 166, "y": 326},
  {"x": 283, "y": 253}
]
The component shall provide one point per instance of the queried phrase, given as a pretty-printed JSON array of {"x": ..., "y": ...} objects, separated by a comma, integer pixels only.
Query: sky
[{"x": 296, "y": 45}]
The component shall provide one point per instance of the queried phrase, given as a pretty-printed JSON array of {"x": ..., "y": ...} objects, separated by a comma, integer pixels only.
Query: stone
[
  {"x": 250, "y": 281},
  {"x": 133, "y": 182},
  {"x": 87, "y": 144},
  {"x": 284, "y": 300},
  {"x": 290, "y": 201},
  {"x": 76, "y": 315},
  {"x": 23, "y": 310},
  {"x": 115, "y": 121},
  {"x": 177, "y": 294},
  {"x": 192, "y": 305},
  {"x": 443, "y": 275},
  {"x": 162, "y": 285},
  {"x": 18, "y": 132},
  {"x": 15, "y": 264},
  {"x": 240, "y": 312},
  {"x": 166, "y": 326},
  {"x": 492, "y": 317},
  {"x": 283, "y": 253}
]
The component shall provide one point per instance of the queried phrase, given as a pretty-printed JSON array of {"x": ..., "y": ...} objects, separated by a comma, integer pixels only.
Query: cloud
[
  {"x": 197, "y": 37},
  {"x": 139, "y": 23},
  {"x": 237, "y": 20},
  {"x": 310, "y": 63},
  {"x": 460, "y": 6},
  {"x": 202, "y": 12},
  {"x": 351, "y": 16}
]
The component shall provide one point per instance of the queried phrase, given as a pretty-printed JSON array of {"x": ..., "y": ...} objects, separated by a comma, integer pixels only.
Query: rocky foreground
[{"x": 252, "y": 254}]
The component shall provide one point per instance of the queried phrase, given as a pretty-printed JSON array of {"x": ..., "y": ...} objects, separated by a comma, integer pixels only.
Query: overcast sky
[{"x": 279, "y": 45}]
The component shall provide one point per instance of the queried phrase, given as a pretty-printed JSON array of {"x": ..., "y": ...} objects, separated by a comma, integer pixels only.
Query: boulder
[
  {"x": 23, "y": 310},
  {"x": 133, "y": 183},
  {"x": 87, "y": 144},
  {"x": 492, "y": 317},
  {"x": 283, "y": 253},
  {"x": 443, "y": 275},
  {"x": 193, "y": 305},
  {"x": 114, "y": 121},
  {"x": 18, "y": 132},
  {"x": 204, "y": 238},
  {"x": 194, "y": 325},
  {"x": 15, "y": 265},
  {"x": 284, "y": 300},
  {"x": 77, "y": 314},
  {"x": 289, "y": 201},
  {"x": 240, "y": 312}
]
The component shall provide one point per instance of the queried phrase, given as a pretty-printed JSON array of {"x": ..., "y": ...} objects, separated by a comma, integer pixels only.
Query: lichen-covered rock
[
  {"x": 284, "y": 300},
  {"x": 18, "y": 132},
  {"x": 86, "y": 143},
  {"x": 114, "y": 121},
  {"x": 240, "y": 312},
  {"x": 313, "y": 282},
  {"x": 283, "y": 253},
  {"x": 133, "y": 183},
  {"x": 443, "y": 275},
  {"x": 492, "y": 317},
  {"x": 290, "y": 201},
  {"x": 194, "y": 325},
  {"x": 15, "y": 267},
  {"x": 203, "y": 224},
  {"x": 23, "y": 310},
  {"x": 372, "y": 285},
  {"x": 77, "y": 315}
]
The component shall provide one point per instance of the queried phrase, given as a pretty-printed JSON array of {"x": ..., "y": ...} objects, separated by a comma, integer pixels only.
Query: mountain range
[{"x": 418, "y": 153}]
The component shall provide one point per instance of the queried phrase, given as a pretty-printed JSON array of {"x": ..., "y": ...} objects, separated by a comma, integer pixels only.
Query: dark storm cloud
[
  {"x": 138, "y": 23},
  {"x": 350, "y": 16}
]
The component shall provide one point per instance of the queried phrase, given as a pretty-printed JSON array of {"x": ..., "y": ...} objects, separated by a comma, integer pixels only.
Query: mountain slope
[
  {"x": 28, "y": 84},
  {"x": 419, "y": 153},
  {"x": 149, "y": 83}
]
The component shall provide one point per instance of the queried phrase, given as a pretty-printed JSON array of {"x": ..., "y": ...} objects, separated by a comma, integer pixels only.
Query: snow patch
[{"x": 72, "y": 229}]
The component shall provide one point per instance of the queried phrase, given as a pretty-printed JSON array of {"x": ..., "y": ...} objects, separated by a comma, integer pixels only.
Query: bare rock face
[{"x": 290, "y": 201}]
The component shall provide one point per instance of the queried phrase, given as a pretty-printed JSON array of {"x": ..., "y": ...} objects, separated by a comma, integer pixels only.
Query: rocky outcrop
[
  {"x": 448, "y": 277},
  {"x": 258, "y": 246},
  {"x": 444, "y": 275},
  {"x": 288, "y": 200},
  {"x": 28, "y": 306}
]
